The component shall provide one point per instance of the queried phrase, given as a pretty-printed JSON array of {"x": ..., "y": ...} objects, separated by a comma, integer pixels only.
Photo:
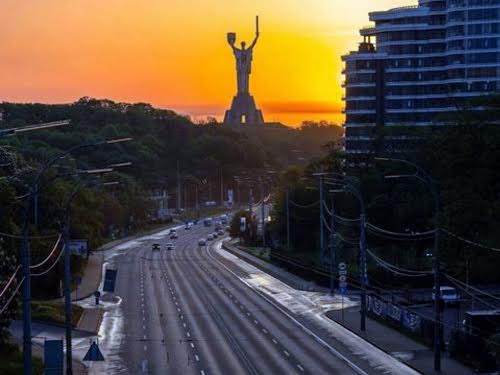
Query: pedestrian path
[{"x": 416, "y": 355}]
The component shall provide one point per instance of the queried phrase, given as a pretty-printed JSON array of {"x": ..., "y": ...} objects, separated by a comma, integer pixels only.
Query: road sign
[
  {"x": 243, "y": 224},
  {"x": 78, "y": 247},
  {"x": 109, "y": 281},
  {"x": 93, "y": 354},
  {"x": 54, "y": 357},
  {"x": 342, "y": 267}
]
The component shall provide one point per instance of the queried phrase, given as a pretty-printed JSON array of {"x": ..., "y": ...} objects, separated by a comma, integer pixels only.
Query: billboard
[{"x": 78, "y": 247}]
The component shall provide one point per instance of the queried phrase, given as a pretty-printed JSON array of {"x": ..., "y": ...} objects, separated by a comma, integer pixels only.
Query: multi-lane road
[{"x": 190, "y": 311}]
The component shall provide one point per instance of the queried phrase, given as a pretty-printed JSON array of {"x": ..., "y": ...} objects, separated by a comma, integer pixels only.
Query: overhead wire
[
  {"x": 477, "y": 244},
  {"x": 48, "y": 256},
  {"x": 11, "y": 279},
  {"x": 51, "y": 267},
  {"x": 4, "y": 308},
  {"x": 303, "y": 206}
]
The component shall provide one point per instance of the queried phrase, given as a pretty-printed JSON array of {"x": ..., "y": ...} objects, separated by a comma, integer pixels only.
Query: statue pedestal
[{"x": 243, "y": 111}]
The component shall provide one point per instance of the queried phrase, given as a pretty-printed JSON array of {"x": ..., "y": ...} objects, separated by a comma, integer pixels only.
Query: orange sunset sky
[{"x": 173, "y": 53}]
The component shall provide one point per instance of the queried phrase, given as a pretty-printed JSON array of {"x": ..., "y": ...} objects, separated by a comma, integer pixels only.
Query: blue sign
[
  {"x": 94, "y": 354},
  {"x": 343, "y": 290},
  {"x": 54, "y": 357},
  {"x": 109, "y": 281}
]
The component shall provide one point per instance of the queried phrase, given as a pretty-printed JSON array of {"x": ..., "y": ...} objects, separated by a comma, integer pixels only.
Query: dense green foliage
[
  {"x": 162, "y": 140},
  {"x": 462, "y": 159}
]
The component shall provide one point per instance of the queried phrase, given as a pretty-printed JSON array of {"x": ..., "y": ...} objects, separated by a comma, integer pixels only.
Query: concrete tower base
[{"x": 243, "y": 112}]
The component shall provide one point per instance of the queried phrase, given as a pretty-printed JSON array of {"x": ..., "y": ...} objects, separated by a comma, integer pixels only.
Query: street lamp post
[
  {"x": 363, "y": 269},
  {"x": 25, "y": 252},
  {"x": 431, "y": 184}
]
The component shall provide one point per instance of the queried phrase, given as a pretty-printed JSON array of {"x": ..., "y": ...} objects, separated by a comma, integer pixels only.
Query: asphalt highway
[{"x": 186, "y": 311}]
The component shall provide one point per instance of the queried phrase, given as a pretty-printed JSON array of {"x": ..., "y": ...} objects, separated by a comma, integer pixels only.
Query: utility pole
[
  {"x": 321, "y": 220},
  {"x": 263, "y": 214},
  {"x": 363, "y": 269},
  {"x": 221, "y": 189},
  {"x": 35, "y": 206},
  {"x": 67, "y": 296},
  {"x": 333, "y": 260},
  {"x": 197, "y": 203},
  {"x": 250, "y": 196},
  {"x": 178, "y": 187},
  {"x": 437, "y": 278},
  {"x": 288, "y": 218},
  {"x": 26, "y": 261}
]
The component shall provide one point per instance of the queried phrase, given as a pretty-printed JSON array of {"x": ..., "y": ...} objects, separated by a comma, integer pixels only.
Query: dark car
[{"x": 156, "y": 247}]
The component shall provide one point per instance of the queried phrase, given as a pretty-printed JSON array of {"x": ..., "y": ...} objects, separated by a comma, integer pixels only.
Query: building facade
[{"x": 416, "y": 66}]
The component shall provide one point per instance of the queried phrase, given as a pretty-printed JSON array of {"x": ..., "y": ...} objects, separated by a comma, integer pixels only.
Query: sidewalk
[
  {"x": 416, "y": 355},
  {"x": 91, "y": 278},
  {"x": 277, "y": 272}
]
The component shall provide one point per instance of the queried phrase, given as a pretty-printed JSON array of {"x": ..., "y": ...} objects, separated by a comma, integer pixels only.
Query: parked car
[
  {"x": 449, "y": 295},
  {"x": 170, "y": 246},
  {"x": 156, "y": 247},
  {"x": 202, "y": 242}
]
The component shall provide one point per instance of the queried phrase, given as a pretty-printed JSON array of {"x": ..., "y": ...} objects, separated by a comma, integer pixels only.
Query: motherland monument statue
[{"x": 243, "y": 109}]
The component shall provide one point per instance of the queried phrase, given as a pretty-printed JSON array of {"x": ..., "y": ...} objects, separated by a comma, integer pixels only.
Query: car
[
  {"x": 173, "y": 236},
  {"x": 449, "y": 295},
  {"x": 172, "y": 231},
  {"x": 202, "y": 242},
  {"x": 156, "y": 247},
  {"x": 220, "y": 232},
  {"x": 215, "y": 235},
  {"x": 207, "y": 222},
  {"x": 170, "y": 246},
  {"x": 210, "y": 237},
  {"x": 188, "y": 226}
]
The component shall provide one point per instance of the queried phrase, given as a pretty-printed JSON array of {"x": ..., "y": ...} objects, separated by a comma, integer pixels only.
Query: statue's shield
[{"x": 231, "y": 38}]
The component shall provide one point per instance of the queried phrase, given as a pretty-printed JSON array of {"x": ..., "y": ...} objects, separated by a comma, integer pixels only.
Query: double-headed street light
[
  {"x": 28, "y": 128},
  {"x": 25, "y": 252},
  {"x": 426, "y": 179}
]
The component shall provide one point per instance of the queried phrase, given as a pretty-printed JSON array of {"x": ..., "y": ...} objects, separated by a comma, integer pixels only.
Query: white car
[
  {"x": 170, "y": 246},
  {"x": 449, "y": 295},
  {"x": 210, "y": 237},
  {"x": 202, "y": 242}
]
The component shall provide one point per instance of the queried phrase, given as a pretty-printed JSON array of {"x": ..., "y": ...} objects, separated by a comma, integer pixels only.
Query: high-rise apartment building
[{"x": 416, "y": 66}]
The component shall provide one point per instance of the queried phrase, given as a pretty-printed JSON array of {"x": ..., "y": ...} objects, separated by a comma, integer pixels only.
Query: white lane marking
[
  {"x": 188, "y": 334},
  {"x": 276, "y": 342},
  {"x": 197, "y": 358},
  {"x": 248, "y": 313},
  {"x": 145, "y": 348},
  {"x": 286, "y": 353},
  {"x": 283, "y": 311},
  {"x": 184, "y": 325},
  {"x": 192, "y": 345},
  {"x": 264, "y": 330},
  {"x": 145, "y": 337},
  {"x": 300, "y": 368},
  {"x": 144, "y": 365},
  {"x": 202, "y": 372},
  {"x": 256, "y": 322}
]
